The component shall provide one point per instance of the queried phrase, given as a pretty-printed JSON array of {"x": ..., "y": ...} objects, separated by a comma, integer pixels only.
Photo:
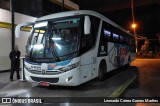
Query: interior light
[{"x": 56, "y": 38}]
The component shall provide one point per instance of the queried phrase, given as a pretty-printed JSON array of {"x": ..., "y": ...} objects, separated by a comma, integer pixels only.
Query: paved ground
[
  {"x": 149, "y": 76},
  {"x": 92, "y": 88},
  {"x": 149, "y": 80}
]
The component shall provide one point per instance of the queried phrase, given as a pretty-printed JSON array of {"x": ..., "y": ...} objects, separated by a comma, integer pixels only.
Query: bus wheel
[{"x": 101, "y": 71}]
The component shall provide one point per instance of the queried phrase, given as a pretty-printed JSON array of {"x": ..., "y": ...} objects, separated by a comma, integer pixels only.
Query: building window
[{"x": 5, "y": 4}]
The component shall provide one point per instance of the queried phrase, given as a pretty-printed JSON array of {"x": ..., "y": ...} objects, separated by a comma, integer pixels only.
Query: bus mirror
[
  {"x": 18, "y": 28},
  {"x": 87, "y": 25}
]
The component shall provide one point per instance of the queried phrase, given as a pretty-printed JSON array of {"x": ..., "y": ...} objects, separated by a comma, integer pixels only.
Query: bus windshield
[{"x": 54, "y": 40}]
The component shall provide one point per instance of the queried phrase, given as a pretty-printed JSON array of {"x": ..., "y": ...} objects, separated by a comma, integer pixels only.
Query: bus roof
[{"x": 81, "y": 12}]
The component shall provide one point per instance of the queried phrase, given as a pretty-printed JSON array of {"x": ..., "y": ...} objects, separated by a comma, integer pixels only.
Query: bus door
[
  {"x": 86, "y": 66},
  {"x": 88, "y": 42},
  {"x": 86, "y": 53}
]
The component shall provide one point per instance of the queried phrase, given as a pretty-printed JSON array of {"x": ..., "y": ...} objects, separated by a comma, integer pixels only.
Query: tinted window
[
  {"x": 115, "y": 37},
  {"x": 132, "y": 41},
  {"x": 121, "y": 39},
  {"x": 126, "y": 40},
  {"x": 106, "y": 32}
]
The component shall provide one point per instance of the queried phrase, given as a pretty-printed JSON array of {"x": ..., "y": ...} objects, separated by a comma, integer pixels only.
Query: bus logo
[{"x": 43, "y": 72}]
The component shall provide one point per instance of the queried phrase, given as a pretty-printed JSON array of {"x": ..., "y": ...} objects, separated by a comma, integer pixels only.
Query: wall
[{"x": 5, "y": 37}]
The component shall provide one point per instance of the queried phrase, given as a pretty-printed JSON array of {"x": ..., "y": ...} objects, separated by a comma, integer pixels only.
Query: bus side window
[
  {"x": 115, "y": 38},
  {"x": 121, "y": 39},
  {"x": 106, "y": 33},
  {"x": 95, "y": 28},
  {"x": 130, "y": 41},
  {"x": 133, "y": 41},
  {"x": 126, "y": 40}
]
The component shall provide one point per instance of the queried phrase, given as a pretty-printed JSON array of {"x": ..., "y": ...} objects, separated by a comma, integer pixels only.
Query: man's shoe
[
  {"x": 11, "y": 79},
  {"x": 19, "y": 78}
]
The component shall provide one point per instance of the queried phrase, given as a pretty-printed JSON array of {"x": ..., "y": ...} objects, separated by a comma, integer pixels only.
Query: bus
[{"x": 71, "y": 48}]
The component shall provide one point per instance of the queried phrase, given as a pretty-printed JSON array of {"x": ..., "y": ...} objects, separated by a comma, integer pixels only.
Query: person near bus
[{"x": 15, "y": 62}]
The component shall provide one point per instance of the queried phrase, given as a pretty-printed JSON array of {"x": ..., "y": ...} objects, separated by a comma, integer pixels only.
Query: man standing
[{"x": 15, "y": 62}]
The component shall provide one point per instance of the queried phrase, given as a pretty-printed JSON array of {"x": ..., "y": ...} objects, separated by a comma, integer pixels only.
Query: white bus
[{"x": 71, "y": 48}]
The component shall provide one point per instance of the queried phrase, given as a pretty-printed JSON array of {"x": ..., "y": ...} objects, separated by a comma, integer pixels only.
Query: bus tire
[{"x": 101, "y": 71}]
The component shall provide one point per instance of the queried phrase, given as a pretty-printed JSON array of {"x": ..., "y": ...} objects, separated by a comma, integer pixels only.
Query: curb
[{"x": 122, "y": 88}]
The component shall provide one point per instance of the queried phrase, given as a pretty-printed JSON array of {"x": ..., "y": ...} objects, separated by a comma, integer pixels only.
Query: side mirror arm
[{"x": 18, "y": 28}]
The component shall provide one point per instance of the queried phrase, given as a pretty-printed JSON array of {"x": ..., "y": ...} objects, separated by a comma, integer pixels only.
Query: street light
[{"x": 134, "y": 26}]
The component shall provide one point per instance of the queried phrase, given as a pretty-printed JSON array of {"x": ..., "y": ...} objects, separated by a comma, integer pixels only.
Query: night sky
[
  {"x": 147, "y": 16},
  {"x": 147, "y": 19},
  {"x": 147, "y": 12}
]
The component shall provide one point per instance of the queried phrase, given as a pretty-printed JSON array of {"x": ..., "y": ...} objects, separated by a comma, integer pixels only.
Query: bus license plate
[{"x": 43, "y": 83}]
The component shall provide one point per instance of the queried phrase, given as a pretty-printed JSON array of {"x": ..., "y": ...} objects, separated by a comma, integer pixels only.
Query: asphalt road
[{"x": 149, "y": 79}]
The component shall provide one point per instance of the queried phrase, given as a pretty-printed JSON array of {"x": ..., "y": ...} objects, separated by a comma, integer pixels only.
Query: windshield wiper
[{"x": 68, "y": 54}]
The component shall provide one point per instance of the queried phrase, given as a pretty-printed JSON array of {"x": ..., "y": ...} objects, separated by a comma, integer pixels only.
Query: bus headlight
[{"x": 70, "y": 67}]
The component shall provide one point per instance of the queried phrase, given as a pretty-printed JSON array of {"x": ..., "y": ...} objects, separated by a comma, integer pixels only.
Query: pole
[
  {"x": 135, "y": 35},
  {"x": 132, "y": 5},
  {"x": 12, "y": 22},
  {"x": 62, "y": 5}
]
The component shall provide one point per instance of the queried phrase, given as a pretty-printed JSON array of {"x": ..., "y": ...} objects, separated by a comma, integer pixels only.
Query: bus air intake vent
[{"x": 50, "y": 80}]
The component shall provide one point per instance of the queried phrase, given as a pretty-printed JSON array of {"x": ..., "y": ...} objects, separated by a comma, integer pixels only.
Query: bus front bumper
[{"x": 69, "y": 78}]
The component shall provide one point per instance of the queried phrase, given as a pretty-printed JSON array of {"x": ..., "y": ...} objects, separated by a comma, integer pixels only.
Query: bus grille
[
  {"x": 47, "y": 72},
  {"x": 51, "y": 80}
]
